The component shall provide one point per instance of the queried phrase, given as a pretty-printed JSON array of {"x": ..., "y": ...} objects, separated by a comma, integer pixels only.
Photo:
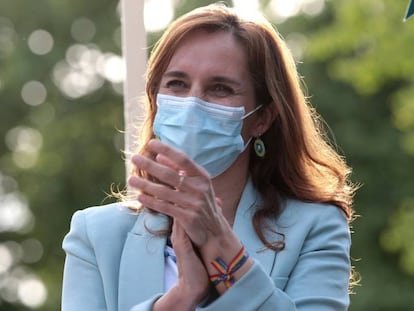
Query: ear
[{"x": 265, "y": 118}]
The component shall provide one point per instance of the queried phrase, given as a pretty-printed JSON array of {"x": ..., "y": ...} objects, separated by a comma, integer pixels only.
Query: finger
[
  {"x": 161, "y": 198},
  {"x": 170, "y": 208},
  {"x": 175, "y": 239},
  {"x": 219, "y": 202},
  {"x": 178, "y": 239},
  {"x": 156, "y": 190},
  {"x": 193, "y": 222},
  {"x": 180, "y": 162},
  {"x": 162, "y": 159},
  {"x": 171, "y": 164},
  {"x": 156, "y": 196},
  {"x": 160, "y": 206},
  {"x": 161, "y": 172},
  {"x": 183, "y": 162},
  {"x": 177, "y": 233},
  {"x": 199, "y": 198},
  {"x": 181, "y": 241}
]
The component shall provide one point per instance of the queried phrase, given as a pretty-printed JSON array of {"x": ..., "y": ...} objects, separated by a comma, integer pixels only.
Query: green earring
[{"x": 259, "y": 147}]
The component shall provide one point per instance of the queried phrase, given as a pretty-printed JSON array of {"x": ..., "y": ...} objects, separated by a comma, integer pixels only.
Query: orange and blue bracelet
[{"x": 226, "y": 272}]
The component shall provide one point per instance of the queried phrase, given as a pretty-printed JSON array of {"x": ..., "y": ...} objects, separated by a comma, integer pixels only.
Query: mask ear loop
[
  {"x": 246, "y": 116},
  {"x": 251, "y": 112},
  {"x": 247, "y": 144}
]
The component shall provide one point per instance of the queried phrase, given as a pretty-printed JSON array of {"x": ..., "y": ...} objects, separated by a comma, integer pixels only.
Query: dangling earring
[{"x": 259, "y": 147}]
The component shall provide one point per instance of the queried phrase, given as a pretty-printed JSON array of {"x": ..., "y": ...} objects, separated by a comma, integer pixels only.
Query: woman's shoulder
[
  {"x": 104, "y": 220},
  {"x": 98, "y": 233},
  {"x": 312, "y": 207},
  {"x": 116, "y": 209},
  {"x": 309, "y": 227},
  {"x": 311, "y": 214}
]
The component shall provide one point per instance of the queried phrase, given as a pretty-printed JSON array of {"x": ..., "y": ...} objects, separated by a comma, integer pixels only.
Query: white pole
[{"x": 134, "y": 43}]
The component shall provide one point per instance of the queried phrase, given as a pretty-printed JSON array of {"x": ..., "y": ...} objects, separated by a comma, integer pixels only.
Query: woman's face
[{"x": 212, "y": 67}]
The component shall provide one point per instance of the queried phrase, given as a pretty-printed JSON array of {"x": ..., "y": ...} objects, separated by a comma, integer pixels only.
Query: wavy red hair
[{"x": 299, "y": 162}]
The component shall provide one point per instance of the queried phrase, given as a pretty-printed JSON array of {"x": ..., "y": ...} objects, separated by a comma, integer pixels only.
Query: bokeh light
[
  {"x": 83, "y": 30},
  {"x": 111, "y": 67},
  {"x": 40, "y": 42},
  {"x": 31, "y": 291},
  {"x": 297, "y": 45},
  {"x": 34, "y": 93},
  {"x": 7, "y": 37},
  {"x": 25, "y": 143},
  {"x": 15, "y": 215},
  {"x": 32, "y": 250},
  {"x": 313, "y": 7},
  {"x": 86, "y": 68},
  {"x": 156, "y": 19},
  {"x": 7, "y": 184},
  {"x": 6, "y": 259}
]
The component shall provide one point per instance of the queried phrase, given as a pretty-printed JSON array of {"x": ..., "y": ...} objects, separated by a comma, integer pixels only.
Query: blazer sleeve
[
  {"x": 320, "y": 278},
  {"x": 318, "y": 281},
  {"x": 82, "y": 284},
  {"x": 83, "y": 288}
]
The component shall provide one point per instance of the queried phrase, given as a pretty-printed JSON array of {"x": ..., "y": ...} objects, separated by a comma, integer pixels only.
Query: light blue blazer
[{"x": 114, "y": 263}]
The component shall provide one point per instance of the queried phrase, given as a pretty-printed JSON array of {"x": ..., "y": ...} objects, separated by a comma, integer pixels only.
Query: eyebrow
[
  {"x": 183, "y": 75},
  {"x": 175, "y": 74},
  {"x": 226, "y": 80}
]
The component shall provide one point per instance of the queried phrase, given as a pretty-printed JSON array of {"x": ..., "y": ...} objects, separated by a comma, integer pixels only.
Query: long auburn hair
[{"x": 299, "y": 162}]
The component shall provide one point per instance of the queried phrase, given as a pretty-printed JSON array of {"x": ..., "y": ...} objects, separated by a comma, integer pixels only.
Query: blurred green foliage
[
  {"x": 359, "y": 70},
  {"x": 61, "y": 151},
  {"x": 78, "y": 155}
]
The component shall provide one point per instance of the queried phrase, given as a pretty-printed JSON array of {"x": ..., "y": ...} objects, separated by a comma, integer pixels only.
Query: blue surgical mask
[{"x": 210, "y": 134}]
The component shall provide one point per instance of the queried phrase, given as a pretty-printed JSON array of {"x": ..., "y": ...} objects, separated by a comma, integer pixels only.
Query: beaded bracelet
[{"x": 226, "y": 271}]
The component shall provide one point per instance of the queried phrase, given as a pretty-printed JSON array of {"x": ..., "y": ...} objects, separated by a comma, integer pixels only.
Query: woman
[{"x": 244, "y": 205}]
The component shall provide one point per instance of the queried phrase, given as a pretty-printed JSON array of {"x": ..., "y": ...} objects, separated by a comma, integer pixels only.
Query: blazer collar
[{"x": 243, "y": 226}]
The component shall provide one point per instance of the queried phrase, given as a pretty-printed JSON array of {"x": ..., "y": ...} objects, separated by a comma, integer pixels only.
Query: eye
[
  {"x": 175, "y": 84},
  {"x": 222, "y": 90}
]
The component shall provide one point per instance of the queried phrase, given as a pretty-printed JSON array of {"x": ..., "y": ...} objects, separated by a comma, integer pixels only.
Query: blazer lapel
[
  {"x": 141, "y": 274},
  {"x": 244, "y": 229}
]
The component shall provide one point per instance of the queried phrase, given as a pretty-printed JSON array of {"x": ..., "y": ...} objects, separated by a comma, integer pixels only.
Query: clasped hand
[{"x": 183, "y": 191}]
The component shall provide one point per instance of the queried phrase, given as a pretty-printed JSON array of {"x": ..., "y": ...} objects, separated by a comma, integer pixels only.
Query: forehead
[{"x": 210, "y": 53}]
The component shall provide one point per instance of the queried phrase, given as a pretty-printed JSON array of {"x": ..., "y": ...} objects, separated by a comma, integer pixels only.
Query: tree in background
[
  {"x": 60, "y": 147},
  {"x": 61, "y": 121}
]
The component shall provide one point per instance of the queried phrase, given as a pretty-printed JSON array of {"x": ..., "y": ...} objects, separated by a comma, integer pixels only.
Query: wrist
[
  {"x": 225, "y": 245},
  {"x": 229, "y": 251},
  {"x": 226, "y": 272}
]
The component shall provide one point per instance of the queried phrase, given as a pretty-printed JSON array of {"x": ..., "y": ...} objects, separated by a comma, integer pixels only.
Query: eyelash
[
  {"x": 218, "y": 89},
  {"x": 223, "y": 88},
  {"x": 173, "y": 83}
]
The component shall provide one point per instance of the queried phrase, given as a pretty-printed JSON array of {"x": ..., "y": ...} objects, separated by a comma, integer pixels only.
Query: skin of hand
[
  {"x": 193, "y": 282},
  {"x": 191, "y": 203}
]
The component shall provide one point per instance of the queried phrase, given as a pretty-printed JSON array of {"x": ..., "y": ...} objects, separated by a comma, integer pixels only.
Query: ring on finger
[{"x": 180, "y": 181}]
